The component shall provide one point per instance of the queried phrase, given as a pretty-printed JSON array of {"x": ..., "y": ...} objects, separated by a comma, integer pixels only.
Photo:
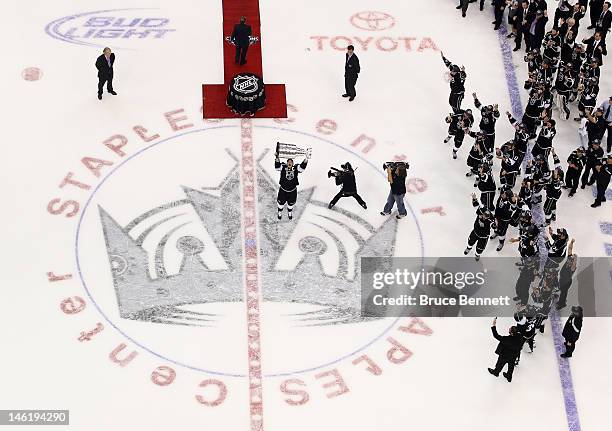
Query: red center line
[{"x": 251, "y": 275}]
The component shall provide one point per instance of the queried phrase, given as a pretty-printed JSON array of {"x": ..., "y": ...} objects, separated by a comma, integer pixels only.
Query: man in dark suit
[
  {"x": 507, "y": 350},
  {"x": 104, "y": 64},
  {"x": 604, "y": 21},
  {"x": 351, "y": 72},
  {"x": 596, "y": 7},
  {"x": 241, "y": 38},
  {"x": 596, "y": 47}
]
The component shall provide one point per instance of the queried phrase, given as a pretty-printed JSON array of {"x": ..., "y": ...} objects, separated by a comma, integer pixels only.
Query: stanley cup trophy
[{"x": 290, "y": 151}]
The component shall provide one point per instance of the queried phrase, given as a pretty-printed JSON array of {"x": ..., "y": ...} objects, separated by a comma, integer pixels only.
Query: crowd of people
[{"x": 562, "y": 71}]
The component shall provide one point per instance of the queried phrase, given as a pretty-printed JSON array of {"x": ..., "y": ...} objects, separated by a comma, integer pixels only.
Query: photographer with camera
[
  {"x": 396, "y": 175},
  {"x": 346, "y": 178}
]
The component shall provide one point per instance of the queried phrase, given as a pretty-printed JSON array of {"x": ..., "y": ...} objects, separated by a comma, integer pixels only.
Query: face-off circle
[{"x": 165, "y": 267}]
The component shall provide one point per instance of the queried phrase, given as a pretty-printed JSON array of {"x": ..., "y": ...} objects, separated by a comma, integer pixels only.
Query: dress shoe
[
  {"x": 565, "y": 355},
  {"x": 516, "y": 49},
  {"x": 595, "y": 204},
  {"x": 492, "y": 371},
  {"x": 113, "y": 92},
  {"x": 99, "y": 97},
  {"x": 345, "y": 95},
  {"x": 508, "y": 377},
  {"x": 351, "y": 98},
  {"x": 463, "y": 15},
  {"x": 458, "y": 7}
]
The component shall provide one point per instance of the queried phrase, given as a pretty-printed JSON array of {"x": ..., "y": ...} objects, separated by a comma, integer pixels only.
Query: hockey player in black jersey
[
  {"x": 481, "y": 230},
  {"x": 553, "y": 193},
  {"x": 459, "y": 123},
  {"x": 589, "y": 90},
  {"x": 551, "y": 46},
  {"x": 544, "y": 142},
  {"x": 526, "y": 191},
  {"x": 489, "y": 115},
  {"x": 457, "y": 84},
  {"x": 477, "y": 154},
  {"x": 533, "y": 60},
  {"x": 544, "y": 75},
  {"x": 533, "y": 110},
  {"x": 526, "y": 330},
  {"x": 287, "y": 193},
  {"x": 557, "y": 247},
  {"x": 487, "y": 187},
  {"x": 521, "y": 138},
  {"x": 564, "y": 87},
  {"x": 503, "y": 214},
  {"x": 510, "y": 164}
]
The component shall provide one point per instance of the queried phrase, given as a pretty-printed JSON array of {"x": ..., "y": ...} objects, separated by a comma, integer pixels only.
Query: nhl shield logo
[{"x": 245, "y": 84}]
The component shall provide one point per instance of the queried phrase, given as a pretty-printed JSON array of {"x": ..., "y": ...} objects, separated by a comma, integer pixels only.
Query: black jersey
[
  {"x": 553, "y": 189},
  {"x": 535, "y": 104},
  {"x": 482, "y": 224},
  {"x": 545, "y": 76},
  {"x": 533, "y": 62},
  {"x": 457, "y": 79},
  {"x": 489, "y": 116},
  {"x": 511, "y": 159},
  {"x": 486, "y": 182},
  {"x": 557, "y": 246},
  {"x": 460, "y": 120},
  {"x": 289, "y": 176},
  {"x": 551, "y": 47},
  {"x": 545, "y": 137},
  {"x": 504, "y": 209},
  {"x": 521, "y": 136},
  {"x": 565, "y": 80},
  {"x": 589, "y": 93}
]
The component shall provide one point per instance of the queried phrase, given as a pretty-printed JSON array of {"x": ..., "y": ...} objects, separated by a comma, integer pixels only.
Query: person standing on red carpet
[
  {"x": 351, "y": 72},
  {"x": 104, "y": 64},
  {"x": 241, "y": 38}
]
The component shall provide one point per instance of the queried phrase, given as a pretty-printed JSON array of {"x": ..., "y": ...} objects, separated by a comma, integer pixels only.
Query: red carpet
[{"x": 214, "y": 96}]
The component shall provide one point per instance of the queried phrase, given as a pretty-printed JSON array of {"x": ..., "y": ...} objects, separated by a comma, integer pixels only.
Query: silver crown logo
[{"x": 314, "y": 259}]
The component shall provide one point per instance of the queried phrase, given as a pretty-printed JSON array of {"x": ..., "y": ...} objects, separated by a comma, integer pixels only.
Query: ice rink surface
[{"x": 129, "y": 168}]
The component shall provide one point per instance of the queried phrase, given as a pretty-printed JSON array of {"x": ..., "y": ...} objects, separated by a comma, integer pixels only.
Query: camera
[
  {"x": 335, "y": 172},
  {"x": 395, "y": 165}
]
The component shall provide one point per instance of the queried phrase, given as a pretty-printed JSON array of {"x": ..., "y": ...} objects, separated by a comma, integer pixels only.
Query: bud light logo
[{"x": 105, "y": 27}]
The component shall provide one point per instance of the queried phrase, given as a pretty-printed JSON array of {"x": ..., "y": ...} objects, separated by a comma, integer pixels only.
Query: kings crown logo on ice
[
  {"x": 96, "y": 28},
  {"x": 301, "y": 261}
]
